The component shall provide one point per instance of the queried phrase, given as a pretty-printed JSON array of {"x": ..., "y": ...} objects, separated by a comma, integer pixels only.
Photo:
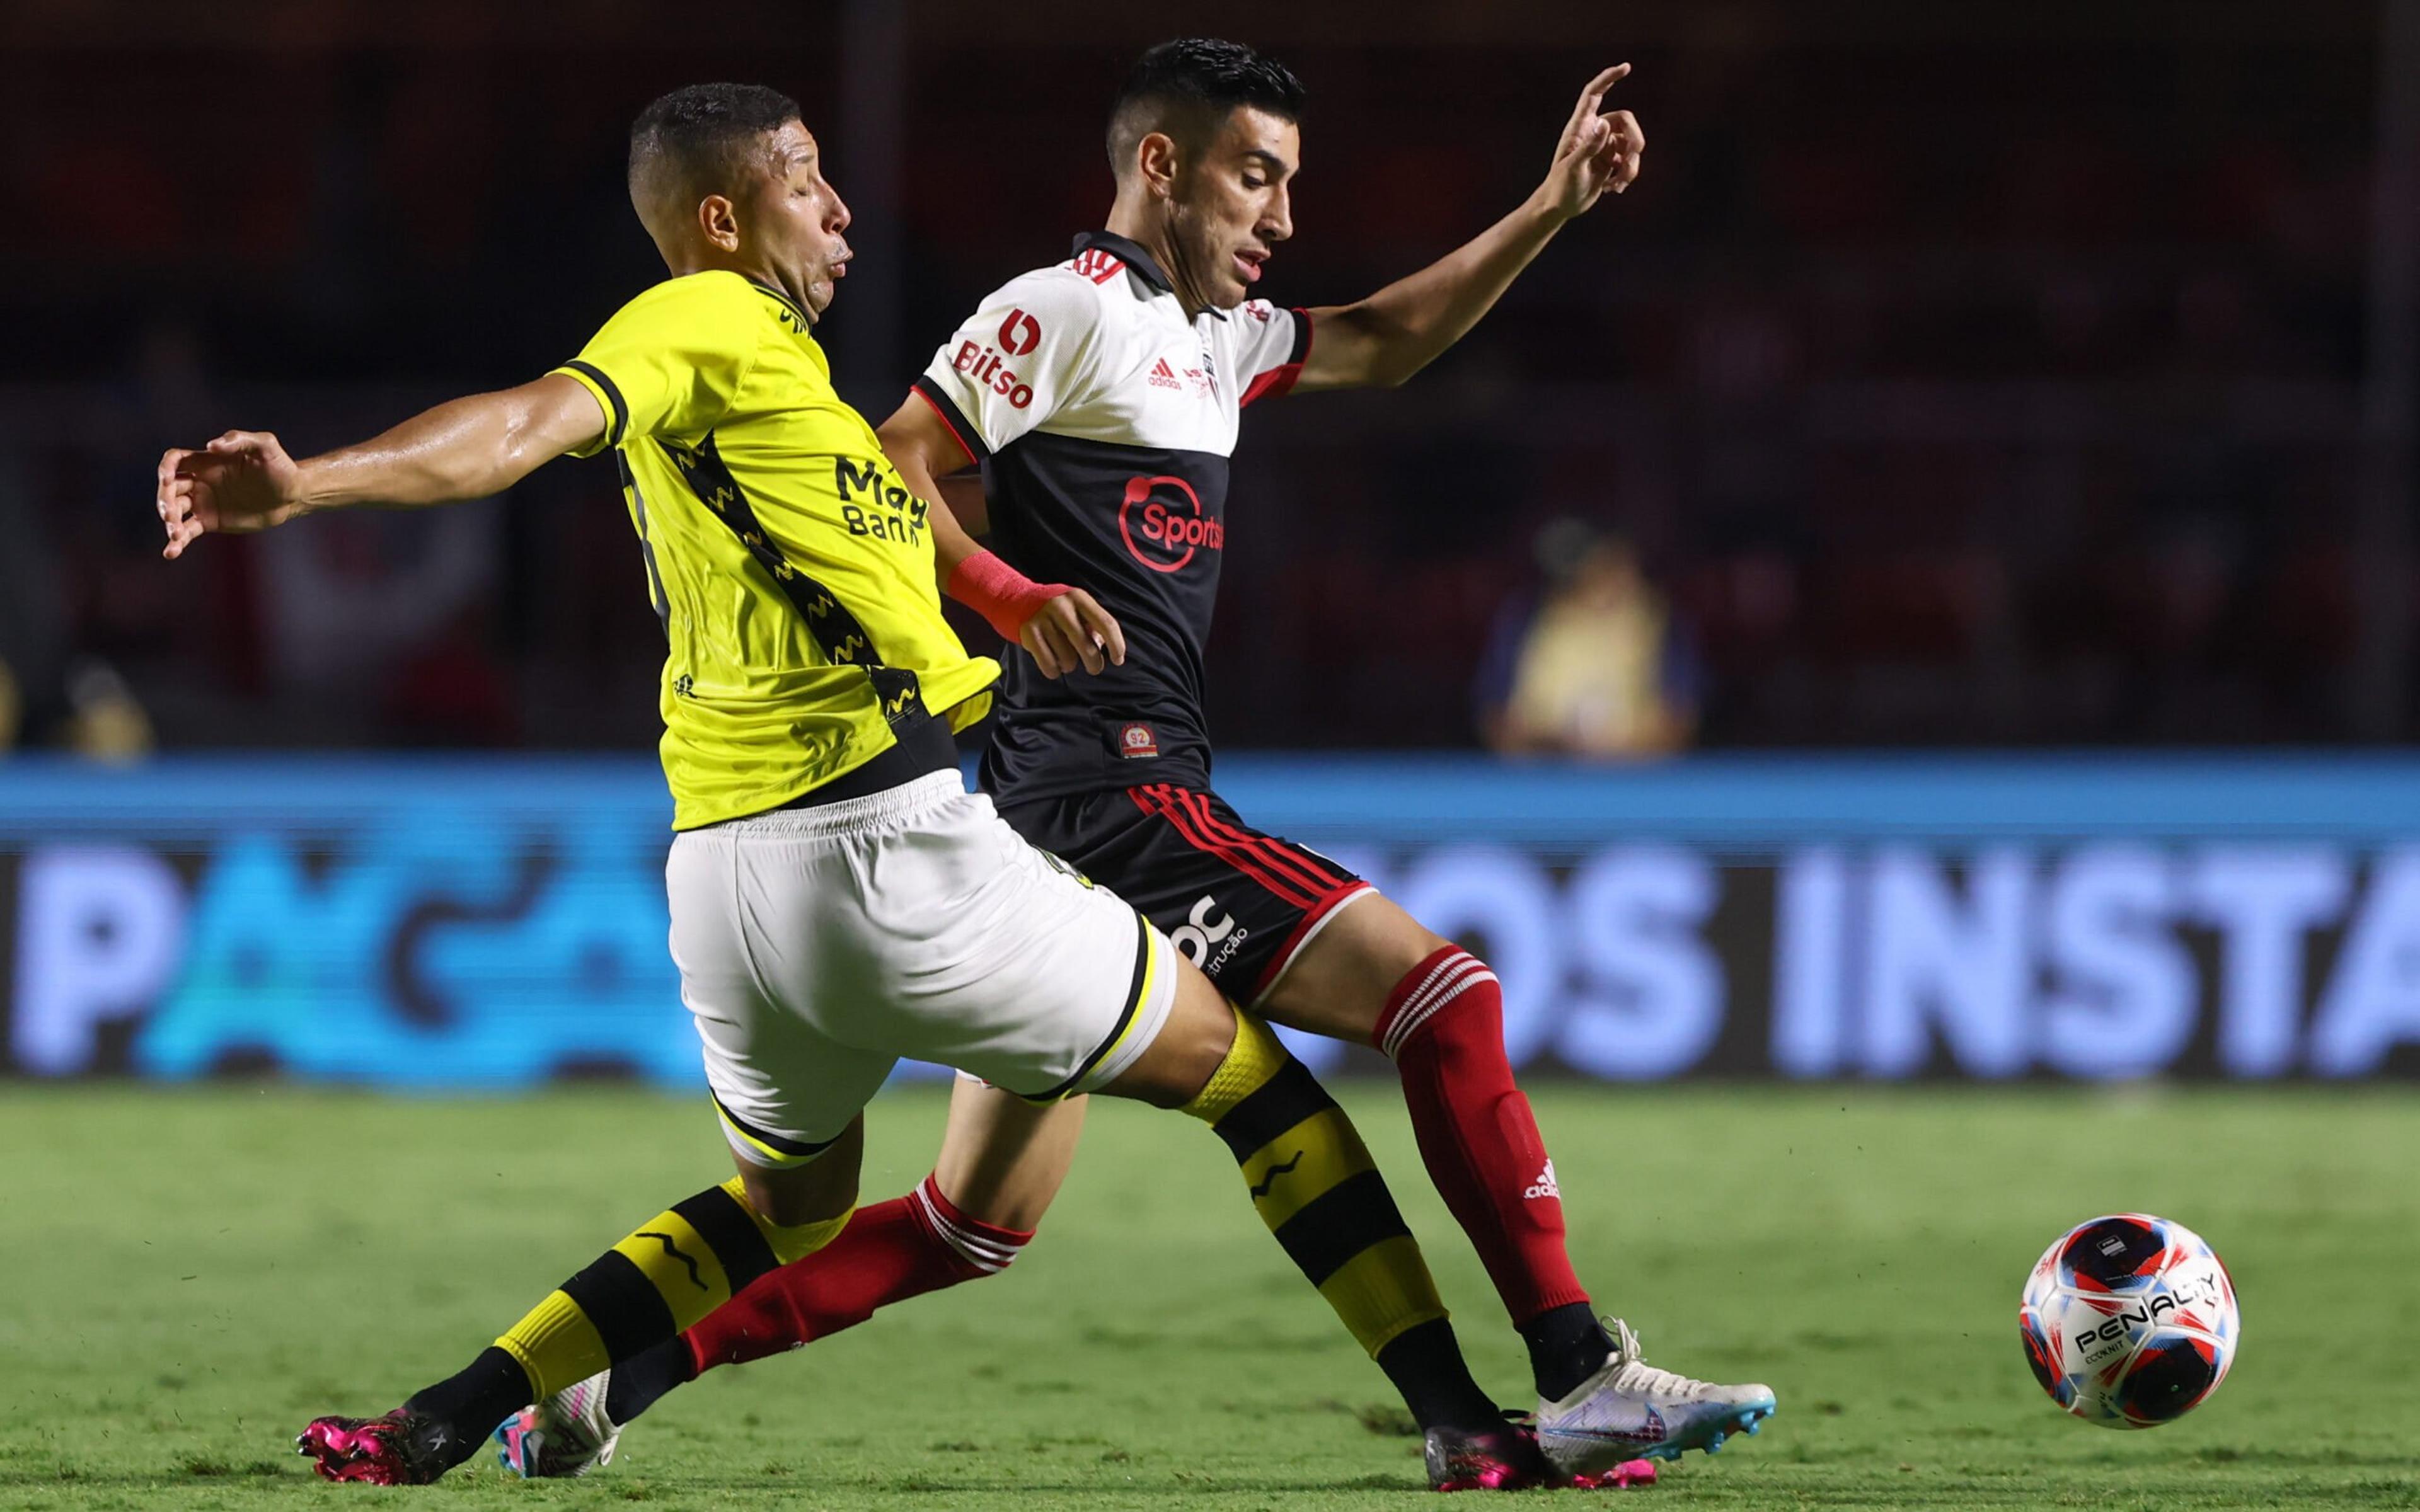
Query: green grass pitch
[{"x": 190, "y": 1275}]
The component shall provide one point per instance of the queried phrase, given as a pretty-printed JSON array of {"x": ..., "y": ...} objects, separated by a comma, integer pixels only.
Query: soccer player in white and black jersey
[{"x": 1101, "y": 399}]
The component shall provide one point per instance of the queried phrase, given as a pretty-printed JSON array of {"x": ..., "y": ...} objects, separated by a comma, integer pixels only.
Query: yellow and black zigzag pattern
[
  {"x": 687, "y": 1262},
  {"x": 843, "y": 639},
  {"x": 1317, "y": 1188}
]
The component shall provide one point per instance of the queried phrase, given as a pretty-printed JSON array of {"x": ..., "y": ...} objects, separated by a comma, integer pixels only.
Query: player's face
[
  {"x": 1232, "y": 207},
  {"x": 796, "y": 220}
]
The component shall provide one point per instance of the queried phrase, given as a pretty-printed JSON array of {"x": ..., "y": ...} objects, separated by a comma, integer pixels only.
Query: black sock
[
  {"x": 1425, "y": 1363},
  {"x": 640, "y": 1382},
  {"x": 1567, "y": 1345},
  {"x": 468, "y": 1406}
]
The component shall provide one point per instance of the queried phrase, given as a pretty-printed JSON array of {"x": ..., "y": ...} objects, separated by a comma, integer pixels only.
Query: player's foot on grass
[
  {"x": 1631, "y": 1410},
  {"x": 1500, "y": 1458},
  {"x": 403, "y": 1448},
  {"x": 567, "y": 1434},
  {"x": 1507, "y": 1459}
]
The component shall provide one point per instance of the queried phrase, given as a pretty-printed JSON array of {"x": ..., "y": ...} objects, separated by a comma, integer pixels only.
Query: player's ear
[
  {"x": 720, "y": 220},
  {"x": 1157, "y": 159}
]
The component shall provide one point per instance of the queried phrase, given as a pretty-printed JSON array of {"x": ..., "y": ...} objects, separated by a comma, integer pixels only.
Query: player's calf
[
  {"x": 658, "y": 1279},
  {"x": 1313, "y": 1182},
  {"x": 1438, "y": 1012}
]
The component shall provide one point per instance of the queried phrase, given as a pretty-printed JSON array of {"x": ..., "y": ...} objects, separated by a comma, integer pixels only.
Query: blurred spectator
[
  {"x": 105, "y": 722},
  {"x": 49, "y": 696},
  {"x": 1594, "y": 664}
]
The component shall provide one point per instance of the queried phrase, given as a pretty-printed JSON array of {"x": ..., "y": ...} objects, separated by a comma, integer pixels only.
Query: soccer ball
[{"x": 2129, "y": 1321}]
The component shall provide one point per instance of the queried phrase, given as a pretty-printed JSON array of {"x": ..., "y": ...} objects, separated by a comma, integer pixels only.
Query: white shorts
[{"x": 819, "y": 946}]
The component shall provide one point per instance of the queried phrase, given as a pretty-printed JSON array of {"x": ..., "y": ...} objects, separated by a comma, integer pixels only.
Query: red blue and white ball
[{"x": 2129, "y": 1321}]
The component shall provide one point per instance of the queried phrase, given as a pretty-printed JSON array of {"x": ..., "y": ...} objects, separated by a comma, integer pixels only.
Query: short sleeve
[
  {"x": 1270, "y": 344},
  {"x": 1029, "y": 349},
  {"x": 671, "y": 361}
]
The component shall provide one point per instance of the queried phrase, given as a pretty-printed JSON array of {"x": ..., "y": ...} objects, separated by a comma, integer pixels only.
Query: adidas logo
[
  {"x": 1163, "y": 377},
  {"x": 1544, "y": 1186}
]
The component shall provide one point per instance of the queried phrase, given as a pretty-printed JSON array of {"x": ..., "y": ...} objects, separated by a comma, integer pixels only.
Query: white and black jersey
[{"x": 1103, "y": 419}]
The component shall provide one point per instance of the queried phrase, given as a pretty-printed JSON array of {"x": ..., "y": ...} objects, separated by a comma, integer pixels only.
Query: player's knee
[
  {"x": 1450, "y": 1000},
  {"x": 1195, "y": 1041}
]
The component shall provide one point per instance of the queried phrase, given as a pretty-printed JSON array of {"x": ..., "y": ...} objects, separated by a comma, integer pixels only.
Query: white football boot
[
  {"x": 567, "y": 1434},
  {"x": 1630, "y": 1410}
]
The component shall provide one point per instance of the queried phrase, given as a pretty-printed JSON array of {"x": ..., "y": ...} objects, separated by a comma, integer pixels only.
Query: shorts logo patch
[
  {"x": 1544, "y": 1186},
  {"x": 1194, "y": 938},
  {"x": 1136, "y": 741}
]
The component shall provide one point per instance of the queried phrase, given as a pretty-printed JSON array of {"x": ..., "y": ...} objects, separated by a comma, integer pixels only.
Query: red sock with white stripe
[
  {"x": 889, "y": 1252},
  {"x": 1444, "y": 1027}
]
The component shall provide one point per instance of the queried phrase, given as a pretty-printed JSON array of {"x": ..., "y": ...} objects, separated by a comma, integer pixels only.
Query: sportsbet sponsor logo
[{"x": 1162, "y": 521}]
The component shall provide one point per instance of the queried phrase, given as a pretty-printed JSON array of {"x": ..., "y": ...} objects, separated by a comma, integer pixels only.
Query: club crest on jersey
[
  {"x": 1137, "y": 742},
  {"x": 1163, "y": 523}
]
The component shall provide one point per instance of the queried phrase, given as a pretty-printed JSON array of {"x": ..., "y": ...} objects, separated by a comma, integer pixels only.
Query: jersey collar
[
  {"x": 806, "y": 326},
  {"x": 1131, "y": 254}
]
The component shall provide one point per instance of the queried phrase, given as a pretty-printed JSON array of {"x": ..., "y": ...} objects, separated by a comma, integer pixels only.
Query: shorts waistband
[{"x": 850, "y": 815}]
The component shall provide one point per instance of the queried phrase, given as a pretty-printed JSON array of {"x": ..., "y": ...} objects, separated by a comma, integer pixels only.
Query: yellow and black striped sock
[
  {"x": 682, "y": 1264},
  {"x": 687, "y": 1262},
  {"x": 1316, "y": 1187}
]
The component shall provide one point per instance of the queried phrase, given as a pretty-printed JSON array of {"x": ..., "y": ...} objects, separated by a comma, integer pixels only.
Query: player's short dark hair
[
  {"x": 1187, "y": 88},
  {"x": 697, "y": 139}
]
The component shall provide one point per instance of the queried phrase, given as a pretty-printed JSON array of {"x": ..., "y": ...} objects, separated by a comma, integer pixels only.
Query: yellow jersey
[{"x": 792, "y": 569}]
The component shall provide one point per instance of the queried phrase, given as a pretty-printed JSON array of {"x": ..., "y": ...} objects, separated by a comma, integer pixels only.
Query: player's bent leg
[
  {"x": 1315, "y": 1184},
  {"x": 1002, "y": 1161},
  {"x": 660, "y": 1278},
  {"x": 1377, "y": 974}
]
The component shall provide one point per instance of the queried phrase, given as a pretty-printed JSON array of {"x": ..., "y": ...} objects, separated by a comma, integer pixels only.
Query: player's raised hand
[
  {"x": 241, "y": 481},
  {"x": 1599, "y": 150},
  {"x": 1072, "y": 630}
]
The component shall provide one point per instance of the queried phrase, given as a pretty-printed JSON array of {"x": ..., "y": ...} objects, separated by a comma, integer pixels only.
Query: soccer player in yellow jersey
[{"x": 838, "y": 899}]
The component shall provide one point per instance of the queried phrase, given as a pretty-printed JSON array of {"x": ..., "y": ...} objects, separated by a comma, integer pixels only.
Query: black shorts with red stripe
[{"x": 1240, "y": 905}]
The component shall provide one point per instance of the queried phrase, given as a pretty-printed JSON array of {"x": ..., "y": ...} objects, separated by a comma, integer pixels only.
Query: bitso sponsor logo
[
  {"x": 1019, "y": 333},
  {"x": 1162, "y": 521},
  {"x": 988, "y": 367}
]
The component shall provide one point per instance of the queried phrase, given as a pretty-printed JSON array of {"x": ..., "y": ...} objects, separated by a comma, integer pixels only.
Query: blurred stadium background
[{"x": 2030, "y": 380}]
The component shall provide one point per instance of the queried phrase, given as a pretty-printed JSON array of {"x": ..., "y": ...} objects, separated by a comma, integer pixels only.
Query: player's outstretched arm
[
  {"x": 1061, "y": 627},
  {"x": 1385, "y": 338},
  {"x": 468, "y": 448}
]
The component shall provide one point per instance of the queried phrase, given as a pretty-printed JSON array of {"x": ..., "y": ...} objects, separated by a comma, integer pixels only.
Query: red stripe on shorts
[
  {"x": 1171, "y": 808},
  {"x": 1296, "y": 937},
  {"x": 1278, "y": 853}
]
